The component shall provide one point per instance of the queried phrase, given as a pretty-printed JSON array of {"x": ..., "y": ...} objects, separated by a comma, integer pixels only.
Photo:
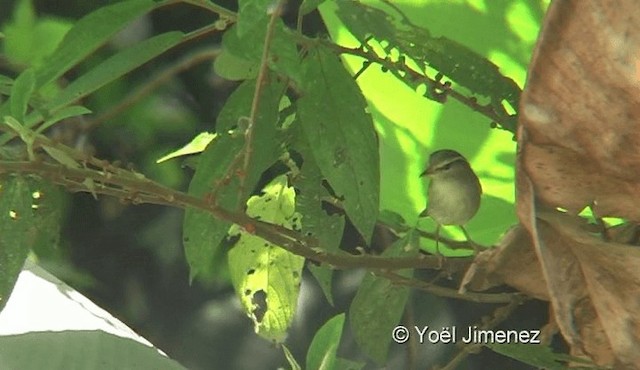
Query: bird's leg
[
  {"x": 440, "y": 257},
  {"x": 475, "y": 246}
]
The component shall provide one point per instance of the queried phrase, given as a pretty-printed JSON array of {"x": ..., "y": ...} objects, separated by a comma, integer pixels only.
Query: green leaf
[
  {"x": 202, "y": 233},
  {"x": 197, "y": 145},
  {"x": 30, "y": 39},
  {"x": 333, "y": 117},
  {"x": 290, "y": 359},
  {"x": 113, "y": 68},
  {"x": 21, "y": 93},
  {"x": 5, "y": 85},
  {"x": 19, "y": 32},
  {"x": 317, "y": 223},
  {"x": 324, "y": 346},
  {"x": 283, "y": 54},
  {"x": 378, "y": 305},
  {"x": 328, "y": 229},
  {"x": 324, "y": 277},
  {"x": 345, "y": 364},
  {"x": 89, "y": 33},
  {"x": 538, "y": 356},
  {"x": 252, "y": 12},
  {"x": 62, "y": 114},
  {"x": 393, "y": 219},
  {"x": 266, "y": 277},
  {"x": 59, "y": 350},
  {"x": 16, "y": 231},
  {"x": 448, "y": 57},
  {"x": 235, "y": 68},
  {"x": 47, "y": 206},
  {"x": 309, "y": 5},
  {"x": 236, "y": 111}
]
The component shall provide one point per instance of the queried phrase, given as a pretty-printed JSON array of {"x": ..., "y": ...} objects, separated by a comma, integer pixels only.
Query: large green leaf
[
  {"x": 252, "y": 12},
  {"x": 202, "y": 233},
  {"x": 379, "y": 304},
  {"x": 343, "y": 141},
  {"x": 317, "y": 223},
  {"x": 60, "y": 350},
  {"x": 48, "y": 203},
  {"x": 266, "y": 277},
  {"x": 17, "y": 232},
  {"x": 283, "y": 54}
]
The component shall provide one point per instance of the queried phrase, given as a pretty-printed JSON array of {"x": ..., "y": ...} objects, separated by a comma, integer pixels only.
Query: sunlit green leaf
[
  {"x": 265, "y": 276},
  {"x": 197, "y": 145},
  {"x": 448, "y": 57}
]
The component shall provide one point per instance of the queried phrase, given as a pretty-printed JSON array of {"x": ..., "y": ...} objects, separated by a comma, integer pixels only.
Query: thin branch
[
  {"x": 255, "y": 104},
  {"x": 152, "y": 83},
  {"x": 397, "y": 279},
  {"x": 414, "y": 79},
  {"x": 212, "y": 7},
  {"x": 499, "y": 315},
  {"x": 135, "y": 188}
]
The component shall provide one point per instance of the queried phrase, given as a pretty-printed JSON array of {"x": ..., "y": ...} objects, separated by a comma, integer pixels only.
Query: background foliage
[{"x": 157, "y": 74}]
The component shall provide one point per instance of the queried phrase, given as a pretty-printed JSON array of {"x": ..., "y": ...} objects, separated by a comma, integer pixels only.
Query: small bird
[{"x": 454, "y": 191}]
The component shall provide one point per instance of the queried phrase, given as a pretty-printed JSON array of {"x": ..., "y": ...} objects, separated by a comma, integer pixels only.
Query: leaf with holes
[
  {"x": 203, "y": 233},
  {"x": 342, "y": 138},
  {"x": 265, "y": 276}
]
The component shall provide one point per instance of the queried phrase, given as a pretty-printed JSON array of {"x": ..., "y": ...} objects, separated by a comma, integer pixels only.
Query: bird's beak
[{"x": 427, "y": 172}]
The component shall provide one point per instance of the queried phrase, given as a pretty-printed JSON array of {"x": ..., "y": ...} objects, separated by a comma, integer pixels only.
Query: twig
[
  {"x": 398, "y": 279},
  {"x": 137, "y": 189},
  {"x": 212, "y": 7},
  {"x": 413, "y": 78},
  {"x": 255, "y": 104},
  {"x": 499, "y": 315},
  {"x": 152, "y": 83}
]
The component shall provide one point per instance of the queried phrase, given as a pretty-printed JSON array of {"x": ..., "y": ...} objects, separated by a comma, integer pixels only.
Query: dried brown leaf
[
  {"x": 581, "y": 108},
  {"x": 579, "y": 145},
  {"x": 513, "y": 262}
]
